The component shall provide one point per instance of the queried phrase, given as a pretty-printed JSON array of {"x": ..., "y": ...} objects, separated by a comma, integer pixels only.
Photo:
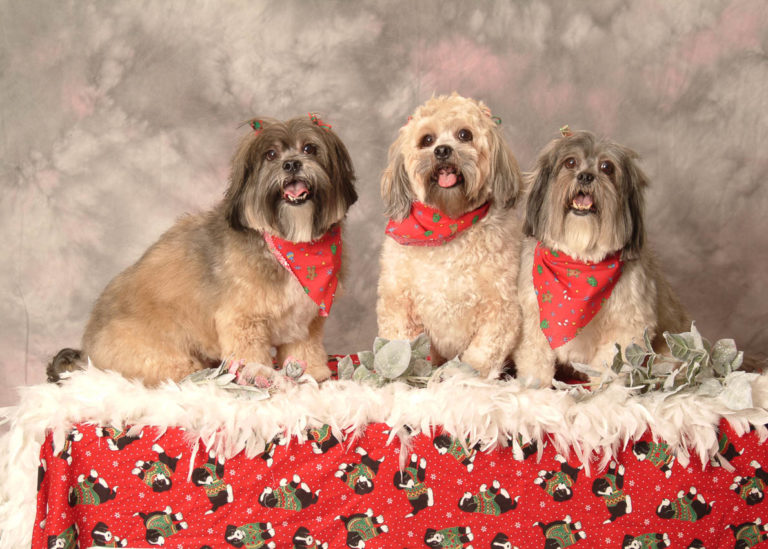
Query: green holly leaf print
[
  {"x": 306, "y": 289},
  {"x": 539, "y": 269},
  {"x": 435, "y": 217},
  {"x": 592, "y": 281},
  {"x": 428, "y": 233},
  {"x": 544, "y": 324},
  {"x": 333, "y": 249}
]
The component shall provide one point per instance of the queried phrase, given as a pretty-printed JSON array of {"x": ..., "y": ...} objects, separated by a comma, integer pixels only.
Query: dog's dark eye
[
  {"x": 570, "y": 163},
  {"x": 271, "y": 154},
  {"x": 309, "y": 148},
  {"x": 464, "y": 135},
  {"x": 607, "y": 167},
  {"x": 427, "y": 141}
]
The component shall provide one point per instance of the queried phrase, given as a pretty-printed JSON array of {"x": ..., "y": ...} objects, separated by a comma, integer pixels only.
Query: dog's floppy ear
[
  {"x": 635, "y": 181},
  {"x": 342, "y": 176},
  {"x": 537, "y": 193},
  {"x": 340, "y": 167},
  {"x": 504, "y": 175},
  {"x": 244, "y": 162},
  {"x": 395, "y": 185}
]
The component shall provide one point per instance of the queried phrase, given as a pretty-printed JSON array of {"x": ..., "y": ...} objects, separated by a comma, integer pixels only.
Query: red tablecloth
[{"x": 108, "y": 490}]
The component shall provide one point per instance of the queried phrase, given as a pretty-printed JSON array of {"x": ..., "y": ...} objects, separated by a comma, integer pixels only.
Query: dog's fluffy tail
[{"x": 66, "y": 360}]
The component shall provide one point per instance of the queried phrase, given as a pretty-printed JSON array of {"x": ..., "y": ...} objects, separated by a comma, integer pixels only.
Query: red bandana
[
  {"x": 570, "y": 292},
  {"x": 315, "y": 264},
  {"x": 427, "y": 226}
]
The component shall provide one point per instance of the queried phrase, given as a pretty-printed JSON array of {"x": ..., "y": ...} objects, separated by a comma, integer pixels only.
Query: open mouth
[
  {"x": 583, "y": 204},
  {"x": 447, "y": 176},
  {"x": 296, "y": 191}
]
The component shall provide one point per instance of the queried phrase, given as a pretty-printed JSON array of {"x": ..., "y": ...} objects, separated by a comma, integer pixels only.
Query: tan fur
[
  {"x": 463, "y": 293},
  {"x": 641, "y": 299},
  {"x": 210, "y": 289}
]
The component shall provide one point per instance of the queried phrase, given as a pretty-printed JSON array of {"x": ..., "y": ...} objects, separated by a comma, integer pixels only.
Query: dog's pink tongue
[
  {"x": 583, "y": 201},
  {"x": 296, "y": 189},
  {"x": 446, "y": 178}
]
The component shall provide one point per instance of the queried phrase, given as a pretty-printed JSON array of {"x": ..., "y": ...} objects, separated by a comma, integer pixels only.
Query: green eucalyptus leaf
[
  {"x": 737, "y": 394},
  {"x": 670, "y": 381},
  {"x": 710, "y": 387},
  {"x": 346, "y": 368},
  {"x": 362, "y": 374},
  {"x": 422, "y": 368},
  {"x": 697, "y": 340},
  {"x": 225, "y": 379},
  {"x": 635, "y": 355},
  {"x": 723, "y": 354},
  {"x": 366, "y": 359},
  {"x": 647, "y": 341},
  {"x": 738, "y": 361},
  {"x": 393, "y": 359},
  {"x": 587, "y": 369},
  {"x": 618, "y": 360},
  {"x": 201, "y": 375},
  {"x": 378, "y": 343},
  {"x": 420, "y": 346},
  {"x": 294, "y": 369},
  {"x": 678, "y": 345}
]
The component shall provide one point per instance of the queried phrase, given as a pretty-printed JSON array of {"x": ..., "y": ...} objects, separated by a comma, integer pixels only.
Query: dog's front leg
[
  {"x": 534, "y": 358},
  {"x": 395, "y": 315},
  {"x": 245, "y": 339},
  {"x": 491, "y": 344},
  {"x": 310, "y": 350}
]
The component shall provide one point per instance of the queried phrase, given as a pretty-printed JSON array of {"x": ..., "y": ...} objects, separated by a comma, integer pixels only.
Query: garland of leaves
[{"x": 693, "y": 365}]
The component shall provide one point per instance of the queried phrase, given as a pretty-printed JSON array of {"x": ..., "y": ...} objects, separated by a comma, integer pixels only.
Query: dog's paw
[
  {"x": 256, "y": 374},
  {"x": 320, "y": 372}
]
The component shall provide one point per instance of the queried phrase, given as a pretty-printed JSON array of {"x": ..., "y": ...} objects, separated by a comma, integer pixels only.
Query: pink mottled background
[{"x": 117, "y": 117}]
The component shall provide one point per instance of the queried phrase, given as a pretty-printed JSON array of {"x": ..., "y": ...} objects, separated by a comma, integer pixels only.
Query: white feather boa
[{"x": 590, "y": 425}]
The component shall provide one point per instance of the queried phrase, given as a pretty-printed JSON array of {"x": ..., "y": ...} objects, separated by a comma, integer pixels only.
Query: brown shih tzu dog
[
  {"x": 587, "y": 279},
  {"x": 449, "y": 266},
  {"x": 217, "y": 285}
]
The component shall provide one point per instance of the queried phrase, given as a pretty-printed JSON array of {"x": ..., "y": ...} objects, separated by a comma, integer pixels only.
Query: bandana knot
[
  {"x": 315, "y": 265},
  {"x": 428, "y": 226},
  {"x": 570, "y": 292}
]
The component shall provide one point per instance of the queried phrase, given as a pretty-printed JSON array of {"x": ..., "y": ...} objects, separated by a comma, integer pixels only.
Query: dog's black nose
[
  {"x": 585, "y": 178},
  {"x": 443, "y": 152},
  {"x": 292, "y": 166}
]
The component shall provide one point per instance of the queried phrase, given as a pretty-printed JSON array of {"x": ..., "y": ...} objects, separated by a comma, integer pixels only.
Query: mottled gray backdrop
[{"x": 118, "y": 117}]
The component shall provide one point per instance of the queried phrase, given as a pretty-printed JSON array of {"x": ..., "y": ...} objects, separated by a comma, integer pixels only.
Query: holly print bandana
[
  {"x": 314, "y": 264},
  {"x": 570, "y": 292},
  {"x": 428, "y": 226}
]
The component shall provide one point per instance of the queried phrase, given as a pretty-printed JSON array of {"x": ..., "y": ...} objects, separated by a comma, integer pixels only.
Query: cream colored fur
[
  {"x": 461, "y": 294},
  {"x": 641, "y": 299}
]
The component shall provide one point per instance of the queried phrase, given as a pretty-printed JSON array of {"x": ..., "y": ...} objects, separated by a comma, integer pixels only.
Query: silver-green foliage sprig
[
  {"x": 693, "y": 365},
  {"x": 390, "y": 360}
]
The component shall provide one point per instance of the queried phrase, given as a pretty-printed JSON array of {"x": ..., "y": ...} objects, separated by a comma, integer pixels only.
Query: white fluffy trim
[{"x": 591, "y": 427}]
